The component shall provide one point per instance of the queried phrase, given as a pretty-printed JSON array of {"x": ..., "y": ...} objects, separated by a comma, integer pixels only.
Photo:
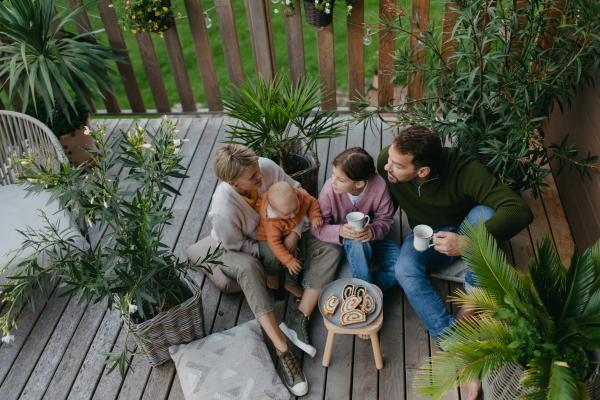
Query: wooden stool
[{"x": 370, "y": 329}]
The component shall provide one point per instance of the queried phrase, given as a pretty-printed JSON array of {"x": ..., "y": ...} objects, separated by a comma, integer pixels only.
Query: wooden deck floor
[{"x": 56, "y": 352}]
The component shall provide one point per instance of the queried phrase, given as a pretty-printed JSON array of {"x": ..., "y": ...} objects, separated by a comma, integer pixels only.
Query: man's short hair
[
  {"x": 422, "y": 143},
  {"x": 232, "y": 160}
]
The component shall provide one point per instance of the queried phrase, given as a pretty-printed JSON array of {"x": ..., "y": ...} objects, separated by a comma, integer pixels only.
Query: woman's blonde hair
[{"x": 231, "y": 161}]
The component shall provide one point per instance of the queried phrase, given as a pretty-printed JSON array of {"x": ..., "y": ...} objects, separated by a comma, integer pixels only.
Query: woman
[{"x": 235, "y": 219}]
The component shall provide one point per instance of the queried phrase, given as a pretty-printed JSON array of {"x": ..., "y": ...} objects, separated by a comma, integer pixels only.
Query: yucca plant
[
  {"x": 37, "y": 53},
  {"x": 546, "y": 320},
  {"x": 270, "y": 109}
]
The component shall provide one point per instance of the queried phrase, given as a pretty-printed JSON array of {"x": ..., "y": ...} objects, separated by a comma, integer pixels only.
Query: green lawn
[{"x": 310, "y": 48}]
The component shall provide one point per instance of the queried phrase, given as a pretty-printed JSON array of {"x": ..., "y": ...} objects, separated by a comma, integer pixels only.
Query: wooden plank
[
  {"x": 25, "y": 321},
  {"x": 325, "y": 43},
  {"x": 386, "y": 61},
  {"x": 447, "y": 45},
  {"x": 522, "y": 250},
  {"x": 115, "y": 39},
  {"x": 561, "y": 231},
  {"x": 373, "y": 139},
  {"x": 391, "y": 377},
  {"x": 179, "y": 69},
  {"x": 91, "y": 370},
  {"x": 312, "y": 366},
  {"x": 322, "y": 153},
  {"x": 82, "y": 24},
  {"x": 270, "y": 33},
  {"x": 454, "y": 287},
  {"x": 419, "y": 11},
  {"x": 295, "y": 44},
  {"x": 153, "y": 73},
  {"x": 337, "y": 145},
  {"x": 231, "y": 46},
  {"x": 176, "y": 391},
  {"x": 259, "y": 32},
  {"x": 70, "y": 363},
  {"x": 33, "y": 347},
  {"x": 135, "y": 381},
  {"x": 159, "y": 382},
  {"x": 356, "y": 136},
  {"x": 417, "y": 348},
  {"x": 204, "y": 54},
  {"x": 356, "y": 54},
  {"x": 539, "y": 228}
]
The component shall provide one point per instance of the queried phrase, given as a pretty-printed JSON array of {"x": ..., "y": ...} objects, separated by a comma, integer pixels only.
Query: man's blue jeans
[
  {"x": 412, "y": 270},
  {"x": 384, "y": 252}
]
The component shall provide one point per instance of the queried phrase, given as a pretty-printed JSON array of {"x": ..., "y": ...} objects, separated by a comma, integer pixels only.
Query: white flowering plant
[
  {"x": 131, "y": 262},
  {"x": 327, "y": 5}
]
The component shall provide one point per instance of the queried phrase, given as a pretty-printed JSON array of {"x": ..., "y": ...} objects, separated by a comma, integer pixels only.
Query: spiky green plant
[
  {"x": 545, "y": 320},
  {"x": 38, "y": 54},
  {"x": 271, "y": 109}
]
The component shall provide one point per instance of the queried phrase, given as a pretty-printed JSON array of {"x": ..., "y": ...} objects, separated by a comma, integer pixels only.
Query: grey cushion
[
  {"x": 18, "y": 212},
  {"x": 234, "y": 364}
]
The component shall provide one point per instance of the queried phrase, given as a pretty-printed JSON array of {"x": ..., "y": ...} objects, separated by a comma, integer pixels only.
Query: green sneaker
[
  {"x": 293, "y": 377},
  {"x": 295, "y": 328}
]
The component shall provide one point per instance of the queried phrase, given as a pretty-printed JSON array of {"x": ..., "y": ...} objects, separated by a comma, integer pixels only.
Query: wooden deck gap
[
  {"x": 352, "y": 365},
  {"x": 212, "y": 324}
]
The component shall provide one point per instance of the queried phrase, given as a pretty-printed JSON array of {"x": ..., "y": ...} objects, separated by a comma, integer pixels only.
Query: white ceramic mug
[
  {"x": 357, "y": 220},
  {"x": 423, "y": 234}
]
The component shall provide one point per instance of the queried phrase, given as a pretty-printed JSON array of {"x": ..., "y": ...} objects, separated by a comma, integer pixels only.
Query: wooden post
[
  {"x": 204, "y": 54},
  {"x": 447, "y": 45},
  {"x": 327, "y": 65},
  {"x": 356, "y": 54},
  {"x": 259, "y": 32},
  {"x": 270, "y": 33},
  {"x": 386, "y": 62},
  {"x": 115, "y": 38},
  {"x": 420, "y": 11},
  {"x": 231, "y": 46},
  {"x": 83, "y": 24},
  {"x": 153, "y": 74},
  {"x": 295, "y": 44},
  {"x": 179, "y": 69}
]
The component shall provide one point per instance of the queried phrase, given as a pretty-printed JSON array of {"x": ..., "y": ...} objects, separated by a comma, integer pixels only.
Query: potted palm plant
[
  {"x": 269, "y": 111},
  {"x": 534, "y": 336},
  {"x": 132, "y": 267},
  {"x": 37, "y": 54}
]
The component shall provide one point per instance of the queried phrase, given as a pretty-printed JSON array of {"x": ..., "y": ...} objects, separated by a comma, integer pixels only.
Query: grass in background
[{"x": 241, "y": 19}]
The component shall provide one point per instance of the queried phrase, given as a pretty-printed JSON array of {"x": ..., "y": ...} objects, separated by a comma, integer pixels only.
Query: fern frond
[
  {"x": 479, "y": 300},
  {"x": 562, "y": 384},
  {"x": 537, "y": 375},
  {"x": 547, "y": 276},
  {"x": 580, "y": 277}
]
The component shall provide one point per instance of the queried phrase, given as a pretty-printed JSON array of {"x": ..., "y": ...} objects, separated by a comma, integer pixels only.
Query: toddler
[{"x": 282, "y": 208}]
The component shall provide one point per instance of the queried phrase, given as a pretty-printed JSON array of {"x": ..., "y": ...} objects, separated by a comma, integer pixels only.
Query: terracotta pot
[{"x": 72, "y": 145}]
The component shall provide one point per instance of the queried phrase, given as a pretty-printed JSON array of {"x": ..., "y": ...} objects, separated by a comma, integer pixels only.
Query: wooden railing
[{"x": 259, "y": 20}]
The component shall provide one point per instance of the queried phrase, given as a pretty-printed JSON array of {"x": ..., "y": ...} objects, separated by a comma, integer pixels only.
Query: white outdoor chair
[{"x": 20, "y": 133}]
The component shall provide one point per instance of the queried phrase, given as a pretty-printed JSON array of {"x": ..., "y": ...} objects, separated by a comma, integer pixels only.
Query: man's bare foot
[
  {"x": 473, "y": 390},
  {"x": 295, "y": 290},
  {"x": 364, "y": 337},
  {"x": 273, "y": 283}
]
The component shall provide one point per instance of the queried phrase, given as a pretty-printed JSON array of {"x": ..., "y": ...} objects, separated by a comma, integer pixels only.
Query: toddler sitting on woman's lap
[{"x": 282, "y": 208}]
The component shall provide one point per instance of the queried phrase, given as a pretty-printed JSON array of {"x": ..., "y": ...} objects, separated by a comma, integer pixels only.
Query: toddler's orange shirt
[{"x": 274, "y": 229}]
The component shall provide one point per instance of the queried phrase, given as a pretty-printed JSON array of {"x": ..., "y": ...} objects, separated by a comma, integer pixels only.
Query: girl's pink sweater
[{"x": 376, "y": 203}]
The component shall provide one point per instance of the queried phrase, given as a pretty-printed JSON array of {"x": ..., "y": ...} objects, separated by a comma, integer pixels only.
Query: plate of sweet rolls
[{"x": 350, "y": 303}]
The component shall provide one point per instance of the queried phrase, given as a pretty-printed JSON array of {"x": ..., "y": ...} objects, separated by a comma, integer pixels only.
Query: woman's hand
[
  {"x": 347, "y": 231},
  {"x": 291, "y": 243}
]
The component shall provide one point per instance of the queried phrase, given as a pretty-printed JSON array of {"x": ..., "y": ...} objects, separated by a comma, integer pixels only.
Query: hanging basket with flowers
[
  {"x": 154, "y": 16},
  {"x": 318, "y": 13}
]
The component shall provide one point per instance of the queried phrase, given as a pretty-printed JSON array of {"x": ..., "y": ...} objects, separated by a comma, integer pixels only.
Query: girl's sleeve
[
  {"x": 328, "y": 232},
  {"x": 383, "y": 219}
]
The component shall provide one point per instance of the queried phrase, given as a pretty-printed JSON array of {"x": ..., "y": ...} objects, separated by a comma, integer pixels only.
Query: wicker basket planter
[
  {"x": 181, "y": 324},
  {"x": 315, "y": 17},
  {"x": 309, "y": 177},
  {"x": 504, "y": 384}
]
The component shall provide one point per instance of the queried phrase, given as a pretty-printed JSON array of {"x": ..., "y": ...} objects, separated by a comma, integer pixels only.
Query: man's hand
[
  {"x": 365, "y": 234},
  {"x": 316, "y": 222},
  {"x": 295, "y": 268},
  {"x": 347, "y": 231},
  {"x": 447, "y": 243},
  {"x": 291, "y": 243}
]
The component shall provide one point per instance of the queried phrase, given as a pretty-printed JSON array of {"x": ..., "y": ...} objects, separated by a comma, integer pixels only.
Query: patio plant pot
[
  {"x": 504, "y": 384},
  {"x": 309, "y": 176},
  {"x": 183, "y": 323},
  {"x": 315, "y": 17},
  {"x": 72, "y": 145}
]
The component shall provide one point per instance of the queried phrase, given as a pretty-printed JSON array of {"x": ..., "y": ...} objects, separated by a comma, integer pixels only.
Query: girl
[{"x": 356, "y": 186}]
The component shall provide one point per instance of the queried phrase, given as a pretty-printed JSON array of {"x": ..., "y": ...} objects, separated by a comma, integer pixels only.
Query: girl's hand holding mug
[{"x": 347, "y": 231}]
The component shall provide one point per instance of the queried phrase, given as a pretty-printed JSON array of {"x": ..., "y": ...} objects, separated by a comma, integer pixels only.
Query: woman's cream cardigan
[{"x": 234, "y": 221}]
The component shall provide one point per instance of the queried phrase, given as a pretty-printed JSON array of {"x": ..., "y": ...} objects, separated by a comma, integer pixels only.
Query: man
[{"x": 442, "y": 188}]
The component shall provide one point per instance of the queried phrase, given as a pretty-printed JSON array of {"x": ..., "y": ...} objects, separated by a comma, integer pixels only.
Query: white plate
[{"x": 336, "y": 288}]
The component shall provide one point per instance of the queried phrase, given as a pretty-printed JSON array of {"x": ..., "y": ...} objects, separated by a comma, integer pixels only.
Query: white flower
[
  {"x": 179, "y": 151},
  {"x": 105, "y": 205},
  {"x": 31, "y": 179},
  {"x": 8, "y": 338},
  {"x": 92, "y": 201},
  {"x": 316, "y": 1},
  {"x": 349, "y": 7},
  {"x": 90, "y": 223},
  {"x": 87, "y": 131},
  {"x": 147, "y": 146},
  {"x": 165, "y": 117},
  {"x": 276, "y": 11},
  {"x": 175, "y": 131},
  {"x": 287, "y": 2},
  {"x": 176, "y": 142},
  {"x": 24, "y": 162},
  {"x": 185, "y": 140},
  {"x": 132, "y": 308},
  {"x": 327, "y": 11}
]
